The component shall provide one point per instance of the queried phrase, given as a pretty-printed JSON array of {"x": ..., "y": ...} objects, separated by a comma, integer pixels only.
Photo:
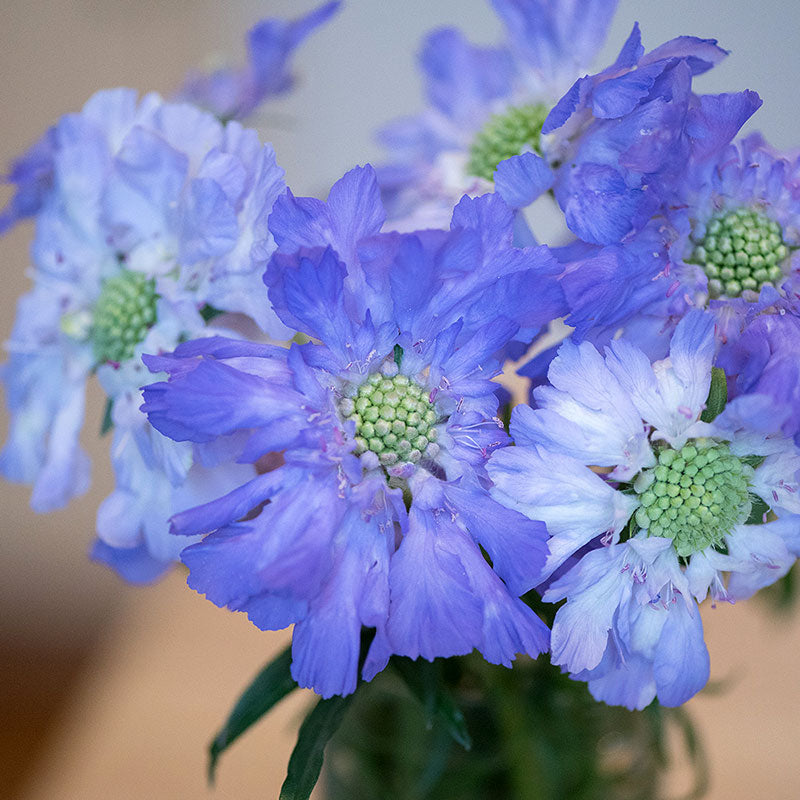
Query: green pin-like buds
[
  {"x": 505, "y": 135},
  {"x": 394, "y": 419},
  {"x": 741, "y": 250},
  {"x": 123, "y": 313},
  {"x": 694, "y": 496}
]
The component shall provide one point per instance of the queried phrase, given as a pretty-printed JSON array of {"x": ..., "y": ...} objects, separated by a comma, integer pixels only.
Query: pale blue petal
[
  {"x": 575, "y": 504},
  {"x": 681, "y": 665},
  {"x": 594, "y": 588}
]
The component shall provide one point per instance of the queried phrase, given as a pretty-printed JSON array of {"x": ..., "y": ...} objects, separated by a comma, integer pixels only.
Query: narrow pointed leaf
[
  {"x": 306, "y": 759},
  {"x": 108, "y": 422},
  {"x": 717, "y": 395},
  {"x": 271, "y": 685}
]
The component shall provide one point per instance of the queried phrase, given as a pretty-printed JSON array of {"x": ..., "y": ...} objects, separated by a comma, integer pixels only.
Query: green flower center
[
  {"x": 123, "y": 313},
  {"x": 394, "y": 419},
  {"x": 506, "y": 135},
  {"x": 694, "y": 496},
  {"x": 741, "y": 250}
]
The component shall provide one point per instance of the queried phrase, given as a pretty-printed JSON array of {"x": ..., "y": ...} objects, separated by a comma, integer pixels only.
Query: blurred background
[{"x": 113, "y": 692}]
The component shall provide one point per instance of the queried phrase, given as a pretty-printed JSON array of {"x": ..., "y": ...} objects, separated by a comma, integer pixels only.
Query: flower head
[
  {"x": 650, "y": 504},
  {"x": 488, "y": 104},
  {"x": 144, "y": 228},
  {"x": 386, "y": 421},
  {"x": 727, "y": 241},
  {"x": 734, "y": 225}
]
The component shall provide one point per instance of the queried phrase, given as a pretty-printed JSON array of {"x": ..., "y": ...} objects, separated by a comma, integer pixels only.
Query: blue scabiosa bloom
[
  {"x": 486, "y": 105},
  {"x": 733, "y": 228},
  {"x": 727, "y": 240},
  {"x": 621, "y": 138},
  {"x": 148, "y": 218},
  {"x": 380, "y": 512},
  {"x": 233, "y": 93},
  {"x": 228, "y": 93},
  {"x": 650, "y": 508}
]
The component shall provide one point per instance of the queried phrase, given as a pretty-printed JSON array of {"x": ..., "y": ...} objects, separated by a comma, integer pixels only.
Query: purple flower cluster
[{"x": 655, "y": 466}]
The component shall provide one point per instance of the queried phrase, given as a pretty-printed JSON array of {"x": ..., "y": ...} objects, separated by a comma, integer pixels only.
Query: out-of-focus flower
[
  {"x": 488, "y": 104},
  {"x": 144, "y": 229},
  {"x": 233, "y": 93}
]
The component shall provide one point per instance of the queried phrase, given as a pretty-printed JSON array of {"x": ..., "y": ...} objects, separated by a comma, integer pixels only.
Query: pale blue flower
[{"x": 649, "y": 508}]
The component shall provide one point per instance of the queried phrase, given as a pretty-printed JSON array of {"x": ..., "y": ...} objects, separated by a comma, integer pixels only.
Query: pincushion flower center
[
  {"x": 505, "y": 135},
  {"x": 741, "y": 250},
  {"x": 694, "y": 496},
  {"x": 123, "y": 313},
  {"x": 394, "y": 419}
]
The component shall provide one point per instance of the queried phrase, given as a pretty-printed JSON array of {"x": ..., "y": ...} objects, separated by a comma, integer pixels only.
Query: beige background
[{"x": 129, "y": 684}]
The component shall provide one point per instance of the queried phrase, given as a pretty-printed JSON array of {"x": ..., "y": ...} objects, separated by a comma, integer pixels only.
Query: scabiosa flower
[
  {"x": 621, "y": 138},
  {"x": 488, "y": 104},
  {"x": 233, "y": 93},
  {"x": 149, "y": 218},
  {"x": 733, "y": 227},
  {"x": 228, "y": 93},
  {"x": 385, "y": 420},
  {"x": 727, "y": 240},
  {"x": 649, "y": 505}
]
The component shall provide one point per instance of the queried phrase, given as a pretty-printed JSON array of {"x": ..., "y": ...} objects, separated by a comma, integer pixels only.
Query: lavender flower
[
  {"x": 671, "y": 505},
  {"x": 148, "y": 218},
  {"x": 378, "y": 514}
]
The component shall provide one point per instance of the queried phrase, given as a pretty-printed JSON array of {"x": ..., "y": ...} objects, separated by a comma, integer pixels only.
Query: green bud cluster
[
  {"x": 742, "y": 249},
  {"x": 506, "y": 135},
  {"x": 694, "y": 496},
  {"x": 394, "y": 419},
  {"x": 123, "y": 313}
]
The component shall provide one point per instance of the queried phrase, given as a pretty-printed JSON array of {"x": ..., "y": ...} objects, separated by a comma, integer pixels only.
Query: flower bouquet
[{"x": 494, "y": 585}]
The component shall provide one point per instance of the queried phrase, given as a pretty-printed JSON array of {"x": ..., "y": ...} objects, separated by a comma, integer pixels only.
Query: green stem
[{"x": 526, "y": 773}]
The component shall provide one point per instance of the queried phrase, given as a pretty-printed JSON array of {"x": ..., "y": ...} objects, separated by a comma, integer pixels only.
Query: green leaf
[
  {"x": 398, "y": 354},
  {"x": 757, "y": 510},
  {"x": 272, "y": 684},
  {"x": 424, "y": 679},
  {"x": 717, "y": 395},
  {"x": 505, "y": 416},
  {"x": 208, "y": 312},
  {"x": 108, "y": 423},
  {"x": 306, "y": 759}
]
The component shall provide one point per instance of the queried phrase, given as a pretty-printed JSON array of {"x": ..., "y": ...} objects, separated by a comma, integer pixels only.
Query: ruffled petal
[
  {"x": 215, "y": 399},
  {"x": 681, "y": 665},
  {"x": 586, "y": 413},
  {"x": 575, "y": 504},
  {"x": 594, "y": 588},
  {"x": 326, "y": 643},
  {"x": 516, "y": 545},
  {"x": 671, "y": 394}
]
